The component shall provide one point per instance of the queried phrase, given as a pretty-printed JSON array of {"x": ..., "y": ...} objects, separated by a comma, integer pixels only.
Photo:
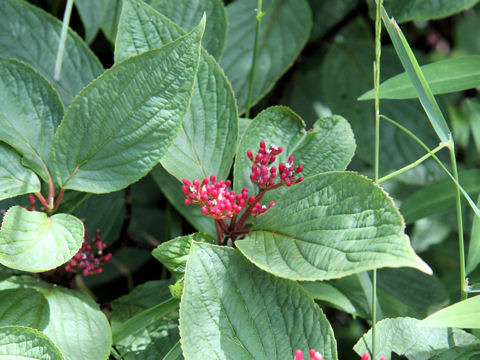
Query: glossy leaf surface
[
  {"x": 18, "y": 342},
  {"x": 232, "y": 310},
  {"x": 329, "y": 226},
  {"x": 120, "y": 126},
  {"x": 444, "y": 77},
  {"x": 206, "y": 141},
  {"x": 14, "y": 178},
  {"x": 30, "y": 35},
  {"x": 30, "y": 111},
  {"x": 403, "y": 337},
  {"x": 187, "y": 14},
  {"x": 284, "y": 31},
  {"x": 32, "y": 241},
  {"x": 328, "y": 146},
  {"x": 464, "y": 314}
]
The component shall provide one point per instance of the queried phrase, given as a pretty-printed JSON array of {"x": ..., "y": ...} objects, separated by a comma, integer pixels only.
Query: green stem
[
  {"x": 461, "y": 249},
  {"x": 63, "y": 39},
  {"x": 376, "y": 71},
  {"x": 412, "y": 165},
  {"x": 254, "y": 59}
]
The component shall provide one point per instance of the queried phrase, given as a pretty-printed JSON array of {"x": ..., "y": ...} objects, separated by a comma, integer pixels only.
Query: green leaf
[
  {"x": 473, "y": 112},
  {"x": 327, "y": 293},
  {"x": 407, "y": 10},
  {"x": 439, "y": 196},
  {"x": 404, "y": 337},
  {"x": 417, "y": 78},
  {"x": 174, "y": 254},
  {"x": 110, "y": 19},
  {"x": 18, "y": 342},
  {"x": 232, "y": 310},
  {"x": 32, "y": 241},
  {"x": 91, "y": 13},
  {"x": 31, "y": 35},
  {"x": 21, "y": 307},
  {"x": 175, "y": 353},
  {"x": 111, "y": 138},
  {"x": 328, "y": 13},
  {"x": 75, "y": 322},
  {"x": 284, "y": 31},
  {"x": 473, "y": 258},
  {"x": 30, "y": 111},
  {"x": 187, "y": 14},
  {"x": 329, "y": 226},
  {"x": 444, "y": 77},
  {"x": 464, "y": 314},
  {"x": 14, "y": 178},
  {"x": 206, "y": 141},
  {"x": 172, "y": 189},
  {"x": 328, "y": 146}
]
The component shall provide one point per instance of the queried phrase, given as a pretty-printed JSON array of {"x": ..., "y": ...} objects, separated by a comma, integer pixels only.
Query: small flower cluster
[
  {"x": 89, "y": 259},
  {"x": 365, "y": 356},
  {"x": 217, "y": 201},
  {"x": 265, "y": 175},
  {"x": 314, "y": 355}
]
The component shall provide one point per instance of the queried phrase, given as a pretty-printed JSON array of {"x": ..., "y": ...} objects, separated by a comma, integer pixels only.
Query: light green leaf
[
  {"x": 327, "y": 293},
  {"x": 444, "y": 77},
  {"x": 91, "y": 13},
  {"x": 328, "y": 146},
  {"x": 464, "y": 314},
  {"x": 206, "y": 141},
  {"x": 403, "y": 337},
  {"x": 284, "y": 31},
  {"x": 232, "y": 310},
  {"x": 32, "y": 241},
  {"x": 473, "y": 112},
  {"x": 110, "y": 19},
  {"x": 110, "y": 139},
  {"x": 150, "y": 335},
  {"x": 21, "y": 307},
  {"x": 14, "y": 178},
  {"x": 174, "y": 254},
  {"x": 407, "y": 10},
  {"x": 175, "y": 353},
  {"x": 30, "y": 111},
  {"x": 417, "y": 78},
  {"x": 439, "y": 196},
  {"x": 329, "y": 226},
  {"x": 187, "y": 14},
  {"x": 172, "y": 189},
  {"x": 473, "y": 258},
  {"x": 31, "y": 35},
  {"x": 18, "y": 342},
  {"x": 75, "y": 322}
]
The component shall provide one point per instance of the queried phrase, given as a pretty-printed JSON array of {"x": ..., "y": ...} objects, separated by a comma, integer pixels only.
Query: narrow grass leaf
[{"x": 473, "y": 258}]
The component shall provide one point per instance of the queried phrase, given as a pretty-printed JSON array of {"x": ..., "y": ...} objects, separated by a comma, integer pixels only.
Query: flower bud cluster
[
  {"x": 314, "y": 355},
  {"x": 216, "y": 200},
  {"x": 264, "y": 175},
  {"x": 365, "y": 356},
  {"x": 90, "y": 258}
]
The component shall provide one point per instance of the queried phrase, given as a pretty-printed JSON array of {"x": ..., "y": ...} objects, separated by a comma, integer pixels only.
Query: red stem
[
  {"x": 219, "y": 231},
  {"x": 42, "y": 200},
  {"x": 239, "y": 226},
  {"x": 59, "y": 199}
]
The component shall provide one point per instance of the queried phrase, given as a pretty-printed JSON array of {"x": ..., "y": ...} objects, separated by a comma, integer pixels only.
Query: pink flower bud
[
  {"x": 291, "y": 158},
  {"x": 365, "y": 356},
  {"x": 187, "y": 201},
  {"x": 250, "y": 154},
  {"x": 196, "y": 183},
  {"x": 262, "y": 144},
  {"x": 300, "y": 179},
  {"x": 204, "y": 210},
  {"x": 298, "y": 355},
  {"x": 299, "y": 168},
  {"x": 213, "y": 178},
  {"x": 187, "y": 182},
  {"x": 251, "y": 199}
]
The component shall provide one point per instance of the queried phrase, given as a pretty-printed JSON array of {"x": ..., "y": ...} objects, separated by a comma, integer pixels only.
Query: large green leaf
[
  {"x": 21, "y": 307},
  {"x": 30, "y": 111},
  {"x": 187, "y": 14},
  {"x": 154, "y": 340},
  {"x": 444, "y": 77},
  {"x": 31, "y": 35},
  {"x": 329, "y": 226},
  {"x": 439, "y": 196},
  {"x": 14, "y": 178},
  {"x": 326, "y": 293},
  {"x": 284, "y": 31},
  {"x": 232, "y": 310},
  {"x": 75, "y": 323},
  {"x": 464, "y": 314},
  {"x": 33, "y": 241},
  {"x": 172, "y": 189},
  {"x": 91, "y": 13},
  {"x": 328, "y": 146},
  {"x": 174, "y": 254},
  {"x": 400, "y": 292},
  {"x": 120, "y": 126},
  {"x": 206, "y": 142},
  {"x": 18, "y": 342},
  {"x": 403, "y": 337},
  {"x": 406, "y": 10}
]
